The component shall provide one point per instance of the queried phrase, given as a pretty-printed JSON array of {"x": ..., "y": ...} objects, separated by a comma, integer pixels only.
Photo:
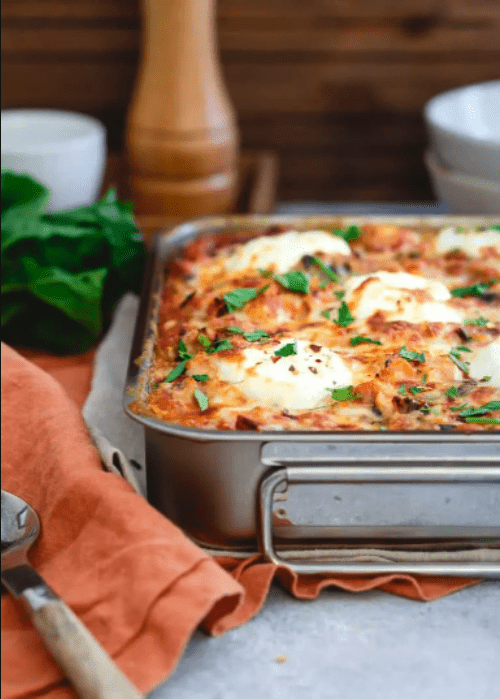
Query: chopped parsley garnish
[
  {"x": 455, "y": 408},
  {"x": 200, "y": 377},
  {"x": 402, "y": 390},
  {"x": 348, "y": 234},
  {"x": 237, "y": 298},
  {"x": 344, "y": 318},
  {"x": 455, "y": 351},
  {"x": 250, "y": 336},
  {"x": 415, "y": 389},
  {"x": 255, "y": 335},
  {"x": 411, "y": 356},
  {"x": 480, "y": 322},
  {"x": 182, "y": 351},
  {"x": 482, "y": 409},
  {"x": 177, "y": 371},
  {"x": 463, "y": 366},
  {"x": 424, "y": 379},
  {"x": 428, "y": 409},
  {"x": 474, "y": 290},
  {"x": 219, "y": 346},
  {"x": 342, "y": 394},
  {"x": 204, "y": 340},
  {"x": 360, "y": 340},
  {"x": 486, "y": 378},
  {"x": 326, "y": 314},
  {"x": 325, "y": 269},
  {"x": 323, "y": 284},
  {"x": 451, "y": 392},
  {"x": 201, "y": 399},
  {"x": 293, "y": 281},
  {"x": 488, "y": 420},
  {"x": 187, "y": 299},
  {"x": 339, "y": 294},
  {"x": 286, "y": 350},
  {"x": 265, "y": 272}
]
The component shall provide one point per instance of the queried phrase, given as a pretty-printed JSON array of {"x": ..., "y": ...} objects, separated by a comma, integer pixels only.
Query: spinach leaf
[{"x": 62, "y": 273}]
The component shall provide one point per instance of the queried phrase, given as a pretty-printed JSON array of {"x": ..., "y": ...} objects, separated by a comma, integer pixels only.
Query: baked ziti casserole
[{"x": 371, "y": 327}]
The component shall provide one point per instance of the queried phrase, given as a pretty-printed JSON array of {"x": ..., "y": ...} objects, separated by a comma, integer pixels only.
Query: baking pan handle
[{"x": 283, "y": 477}]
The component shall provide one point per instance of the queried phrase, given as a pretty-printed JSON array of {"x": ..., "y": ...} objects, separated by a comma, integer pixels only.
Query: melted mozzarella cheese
[
  {"x": 284, "y": 251},
  {"x": 296, "y": 382},
  {"x": 471, "y": 243},
  {"x": 391, "y": 292},
  {"x": 487, "y": 363}
]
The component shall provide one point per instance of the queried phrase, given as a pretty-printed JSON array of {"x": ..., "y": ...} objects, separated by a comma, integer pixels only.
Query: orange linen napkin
[
  {"x": 114, "y": 542},
  {"x": 134, "y": 579}
]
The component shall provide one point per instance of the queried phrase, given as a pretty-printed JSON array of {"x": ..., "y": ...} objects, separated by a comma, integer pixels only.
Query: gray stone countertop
[{"x": 344, "y": 646}]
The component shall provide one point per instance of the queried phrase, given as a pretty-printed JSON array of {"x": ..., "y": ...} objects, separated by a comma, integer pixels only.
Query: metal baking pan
[{"x": 371, "y": 491}]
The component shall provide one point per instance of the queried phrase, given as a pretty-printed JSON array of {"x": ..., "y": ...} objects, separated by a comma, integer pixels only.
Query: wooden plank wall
[{"x": 336, "y": 87}]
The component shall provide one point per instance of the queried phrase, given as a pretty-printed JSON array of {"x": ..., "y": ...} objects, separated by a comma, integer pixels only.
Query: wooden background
[{"x": 335, "y": 87}]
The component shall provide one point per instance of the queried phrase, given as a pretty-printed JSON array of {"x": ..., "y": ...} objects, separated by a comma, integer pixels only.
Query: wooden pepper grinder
[{"x": 181, "y": 136}]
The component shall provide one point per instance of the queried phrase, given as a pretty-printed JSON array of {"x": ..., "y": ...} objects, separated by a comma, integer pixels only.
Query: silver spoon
[{"x": 88, "y": 667}]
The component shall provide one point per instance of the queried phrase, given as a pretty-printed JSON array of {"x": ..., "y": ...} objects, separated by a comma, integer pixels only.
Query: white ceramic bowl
[
  {"x": 65, "y": 151},
  {"x": 464, "y": 127},
  {"x": 460, "y": 193}
]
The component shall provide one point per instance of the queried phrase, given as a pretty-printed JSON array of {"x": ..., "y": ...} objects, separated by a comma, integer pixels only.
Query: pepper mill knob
[{"x": 181, "y": 136}]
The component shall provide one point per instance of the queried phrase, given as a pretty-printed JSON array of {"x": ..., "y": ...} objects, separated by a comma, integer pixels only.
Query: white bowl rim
[
  {"x": 429, "y": 114},
  {"x": 462, "y": 178},
  {"x": 94, "y": 128}
]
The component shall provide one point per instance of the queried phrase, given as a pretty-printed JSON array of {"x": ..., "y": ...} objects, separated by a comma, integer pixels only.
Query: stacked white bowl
[{"x": 464, "y": 158}]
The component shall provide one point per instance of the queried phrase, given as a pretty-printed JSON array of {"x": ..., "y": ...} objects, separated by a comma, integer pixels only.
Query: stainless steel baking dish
[{"x": 371, "y": 491}]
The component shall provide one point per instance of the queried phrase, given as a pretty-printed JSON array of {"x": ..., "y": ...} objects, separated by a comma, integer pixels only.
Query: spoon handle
[{"x": 85, "y": 663}]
